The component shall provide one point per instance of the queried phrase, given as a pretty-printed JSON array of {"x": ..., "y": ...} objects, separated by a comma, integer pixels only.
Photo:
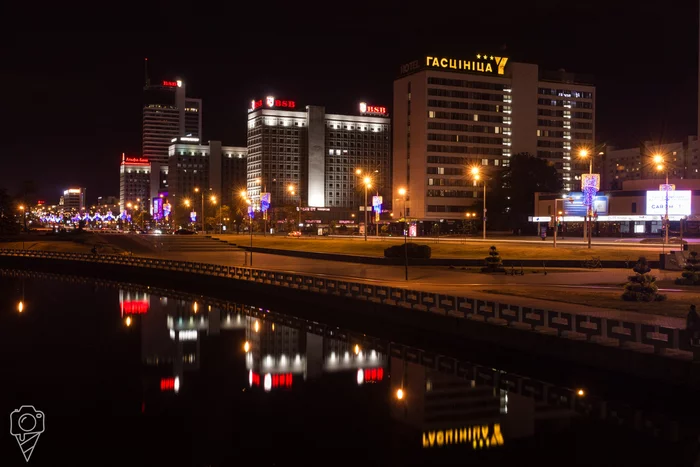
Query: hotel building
[
  {"x": 167, "y": 113},
  {"x": 221, "y": 169},
  {"x": 134, "y": 181},
  {"x": 73, "y": 199},
  {"x": 317, "y": 154},
  {"x": 452, "y": 113}
]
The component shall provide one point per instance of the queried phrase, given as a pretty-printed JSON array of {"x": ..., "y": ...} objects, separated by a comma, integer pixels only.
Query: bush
[
  {"x": 414, "y": 251},
  {"x": 642, "y": 286},
  {"x": 691, "y": 271},
  {"x": 493, "y": 261}
]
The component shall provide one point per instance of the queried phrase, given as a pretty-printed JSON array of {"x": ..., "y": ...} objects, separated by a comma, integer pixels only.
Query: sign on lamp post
[{"x": 590, "y": 184}]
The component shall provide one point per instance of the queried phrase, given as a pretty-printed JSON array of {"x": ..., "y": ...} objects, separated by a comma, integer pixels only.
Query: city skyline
[{"x": 646, "y": 82}]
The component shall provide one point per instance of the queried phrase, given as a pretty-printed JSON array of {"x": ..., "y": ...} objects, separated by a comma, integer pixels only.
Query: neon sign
[
  {"x": 170, "y": 384},
  {"x": 170, "y": 84},
  {"x": 372, "y": 109},
  {"x": 134, "y": 307},
  {"x": 479, "y": 436},
  {"x": 271, "y": 102},
  {"x": 136, "y": 160},
  {"x": 373, "y": 375}
]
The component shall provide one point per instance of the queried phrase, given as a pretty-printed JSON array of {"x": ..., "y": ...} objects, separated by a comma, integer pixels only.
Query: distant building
[
  {"x": 167, "y": 113},
  {"x": 452, "y": 113},
  {"x": 73, "y": 199},
  {"x": 205, "y": 166},
  {"x": 134, "y": 181},
  {"x": 637, "y": 163},
  {"x": 317, "y": 154}
]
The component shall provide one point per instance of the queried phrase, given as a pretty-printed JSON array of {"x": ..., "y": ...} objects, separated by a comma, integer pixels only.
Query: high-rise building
[
  {"x": 73, "y": 199},
  {"x": 452, "y": 113},
  {"x": 205, "y": 166},
  {"x": 167, "y": 113},
  {"x": 134, "y": 181},
  {"x": 317, "y": 154}
]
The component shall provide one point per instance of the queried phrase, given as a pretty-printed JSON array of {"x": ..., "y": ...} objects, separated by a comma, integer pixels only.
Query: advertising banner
[
  {"x": 679, "y": 202},
  {"x": 264, "y": 202},
  {"x": 574, "y": 205}
]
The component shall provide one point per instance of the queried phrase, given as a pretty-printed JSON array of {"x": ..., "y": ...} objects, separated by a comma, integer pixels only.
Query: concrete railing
[{"x": 596, "y": 330}]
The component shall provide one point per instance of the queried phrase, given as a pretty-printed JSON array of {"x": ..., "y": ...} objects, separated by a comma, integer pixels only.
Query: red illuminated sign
[
  {"x": 40, "y": 202},
  {"x": 272, "y": 102},
  {"x": 272, "y": 381},
  {"x": 136, "y": 160},
  {"x": 167, "y": 384},
  {"x": 170, "y": 84},
  {"x": 134, "y": 307},
  {"x": 372, "y": 109},
  {"x": 373, "y": 375},
  {"x": 282, "y": 381}
]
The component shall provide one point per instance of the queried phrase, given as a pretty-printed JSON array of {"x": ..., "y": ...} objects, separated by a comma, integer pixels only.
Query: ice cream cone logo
[{"x": 26, "y": 425}]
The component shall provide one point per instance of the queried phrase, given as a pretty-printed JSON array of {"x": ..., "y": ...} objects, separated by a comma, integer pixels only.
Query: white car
[{"x": 295, "y": 233}]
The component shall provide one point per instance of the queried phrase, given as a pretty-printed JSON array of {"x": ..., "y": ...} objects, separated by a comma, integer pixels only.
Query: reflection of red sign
[
  {"x": 272, "y": 102},
  {"x": 255, "y": 379},
  {"x": 282, "y": 381},
  {"x": 374, "y": 374},
  {"x": 170, "y": 84},
  {"x": 136, "y": 160},
  {"x": 134, "y": 307},
  {"x": 40, "y": 202},
  {"x": 167, "y": 384}
]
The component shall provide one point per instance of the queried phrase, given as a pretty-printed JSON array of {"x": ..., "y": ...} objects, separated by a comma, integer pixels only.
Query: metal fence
[{"x": 670, "y": 342}]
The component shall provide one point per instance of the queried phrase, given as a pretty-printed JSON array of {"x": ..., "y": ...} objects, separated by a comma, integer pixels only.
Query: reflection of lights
[
  {"x": 283, "y": 361},
  {"x": 580, "y": 393},
  {"x": 360, "y": 356},
  {"x": 246, "y": 346},
  {"x": 195, "y": 307},
  {"x": 373, "y": 355},
  {"x": 268, "y": 360},
  {"x": 357, "y": 349},
  {"x": 267, "y": 382},
  {"x": 176, "y": 385},
  {"x": 20, "y": 306},
  {"x": 187, "y": 335},
  {"x": 228, "y": 318},
  {"x": 360, "y": 376},
  {"x": 250, "y": 376},
  {"x": 333, "y": 357},
  {"x": 346, "y": 358},
  {"x": 273, "y": 326},
  {"x": 399, "y": 394},
  {"x": 127, "y": 321},
  {"x": 257, "y": 327},
  {"x": 297, "y": 360},
  {"x": 172, "y": 334}
]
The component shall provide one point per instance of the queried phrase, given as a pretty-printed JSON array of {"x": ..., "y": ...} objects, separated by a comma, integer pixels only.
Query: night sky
[{"x": 72, "y": 87}]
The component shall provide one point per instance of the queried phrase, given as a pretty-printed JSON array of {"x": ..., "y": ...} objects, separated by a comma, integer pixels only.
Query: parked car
[
  {"x": 184, "y": 232},
  {"x": 294, "y": 233}
]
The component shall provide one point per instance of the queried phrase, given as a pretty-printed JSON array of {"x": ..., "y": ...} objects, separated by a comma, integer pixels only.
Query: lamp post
[
  {"x": 585, "y": 153},
  {"x": 197, "y": 190},
  {"x": 24, "y": 216},
  {"x": 250, "y": 225},
  {"x": 367, "y": 182},
  {"x": 402, "y": 192},
  {"x": 292, "y": 192},
  {"x": 476, "y": 174},
  {"x": 660, "y": 166},
  {"x": 213, "y": 201},
  {"x": 187, "y": 204},
  {"x": 556, "y": 219}
]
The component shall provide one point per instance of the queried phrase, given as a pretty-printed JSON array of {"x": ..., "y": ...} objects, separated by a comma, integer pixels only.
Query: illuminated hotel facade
[
  {"x": 450, "y": 114},
  {"x": 134, "y": 181},
  {"x": 316, "y": 153}
]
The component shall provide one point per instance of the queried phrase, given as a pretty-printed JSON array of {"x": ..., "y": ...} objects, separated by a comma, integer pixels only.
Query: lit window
[
  {"x": 431, "y": 114},
  {"x": 476, "y": 117}
]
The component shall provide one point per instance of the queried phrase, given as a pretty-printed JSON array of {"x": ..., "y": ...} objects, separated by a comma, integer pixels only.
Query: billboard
[
  {"x": 574, "y": 205},
  {"x": 377, "y": 206},
  {"x": 679, "y": 202},
  {"x": 157, "y": 209}
]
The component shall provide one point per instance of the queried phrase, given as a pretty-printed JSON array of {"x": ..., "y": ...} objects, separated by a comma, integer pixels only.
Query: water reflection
[{"x": 183, "y": 351}]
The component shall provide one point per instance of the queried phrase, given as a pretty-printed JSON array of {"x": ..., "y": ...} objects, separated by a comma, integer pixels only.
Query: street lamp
[
  {"x": 661, "y": 166},
  {"x": 583, "y": 154},
  {"x": 292, "y": 192},
  {"x": 250, "y": 217},
  {"x": 197, "y": 190},
  {"x": 24, "y": 216},
  {"x": 402, "y": 192},
  {"x": 476, "y": 175}
]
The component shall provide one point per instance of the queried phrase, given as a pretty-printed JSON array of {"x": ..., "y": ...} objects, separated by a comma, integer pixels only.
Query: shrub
[
  {"x": 413, "y": 250},
  {"x": 691, "y": 271},
  {"x": 493, "y": 261},
  {"x": 642, "y": 285}
]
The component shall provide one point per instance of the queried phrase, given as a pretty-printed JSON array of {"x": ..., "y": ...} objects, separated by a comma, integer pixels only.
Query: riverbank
[{"x": 356, "y": 306}]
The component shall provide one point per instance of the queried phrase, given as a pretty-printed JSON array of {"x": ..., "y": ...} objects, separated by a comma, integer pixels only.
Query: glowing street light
[
  {"x": 127, "y": 321},
  {"x": 246, "y": 347},
  {"x": 476, "y": 175},
  {"x": 20, "y": 306},
  {"x": 661, "y": 166},
  {"x": 403, "y": 192},
  {"x": 367, "y": 182},
  {"x": 292, "y": 192},
  {"x": 399, "y": 394}
]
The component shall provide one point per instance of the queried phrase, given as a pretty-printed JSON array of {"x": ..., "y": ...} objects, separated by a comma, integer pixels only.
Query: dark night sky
[{"x": 72, "y": 81}]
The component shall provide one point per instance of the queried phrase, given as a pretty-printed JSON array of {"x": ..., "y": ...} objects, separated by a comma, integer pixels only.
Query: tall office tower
[
  {"x": 317, "y": 154},
  {"x": 452, "y": 113},
  {"x": 167, "y": 113}
]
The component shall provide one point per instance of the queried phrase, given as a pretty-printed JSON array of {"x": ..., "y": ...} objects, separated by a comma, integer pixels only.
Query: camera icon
[{"x": 26, "y": 421}]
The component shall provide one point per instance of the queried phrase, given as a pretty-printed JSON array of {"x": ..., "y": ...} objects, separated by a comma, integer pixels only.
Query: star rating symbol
[
  {"x": 478, "y": 55},
  {"x": 491, "y": 57}
]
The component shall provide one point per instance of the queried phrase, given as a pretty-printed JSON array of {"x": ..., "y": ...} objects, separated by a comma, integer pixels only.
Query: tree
[
  {"x": 213, "y": 221},
  {"x": 8, "y": 220},
  {"x": 513, "y": 190},
  {"x": 691, "y": 271},
  {"x": 493, "y": 261},
  {"x": 642, "y": 286}
]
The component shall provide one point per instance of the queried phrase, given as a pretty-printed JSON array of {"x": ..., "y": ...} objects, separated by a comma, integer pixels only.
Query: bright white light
[
  {"x": 179, "y": 83},
  {"x": 283, "y": 361},
  {"x": 189, "y": 335},
  {"x": 297, "y": 360},
  {"x": 172, "y": 334},
  {"x": 346, "y": 358},
  {"x": 250, "y": 378},
  {"x": 189, "y": 138},
  {"x": 361, "y": 356},
  {"x": 333, "y": 357},
  {"x": 267, "y": 383},
  {"x": 373, "y": 355},
  {"x": 268, "y": 360},
  {"x": 176, "y": 385},
  {"x": 360, "y": 376},
  {"x": 363, "y": 107}
]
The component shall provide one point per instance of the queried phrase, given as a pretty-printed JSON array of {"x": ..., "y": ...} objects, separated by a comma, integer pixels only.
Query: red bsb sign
[{"x": 271, "y": 102}]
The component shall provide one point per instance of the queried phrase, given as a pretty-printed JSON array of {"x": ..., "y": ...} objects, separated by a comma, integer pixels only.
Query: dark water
[{"x": 132, "y": 376}]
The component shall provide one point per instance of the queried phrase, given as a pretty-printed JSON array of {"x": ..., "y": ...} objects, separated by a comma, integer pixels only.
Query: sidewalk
[{"x": 447, "y": 281}]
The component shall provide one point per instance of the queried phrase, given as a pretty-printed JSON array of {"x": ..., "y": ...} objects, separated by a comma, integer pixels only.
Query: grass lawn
[
  {"x": 676, "y": 304},
  {"x": 82, "y": 243},
  {"x": 441, "y": 250}
]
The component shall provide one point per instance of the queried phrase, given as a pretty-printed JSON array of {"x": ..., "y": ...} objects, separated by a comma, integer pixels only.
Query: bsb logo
[{"x": 271, "y": 102}]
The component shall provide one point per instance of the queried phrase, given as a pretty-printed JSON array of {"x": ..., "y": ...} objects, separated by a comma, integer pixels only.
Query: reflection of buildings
[{"x": 455, "y": 411}]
